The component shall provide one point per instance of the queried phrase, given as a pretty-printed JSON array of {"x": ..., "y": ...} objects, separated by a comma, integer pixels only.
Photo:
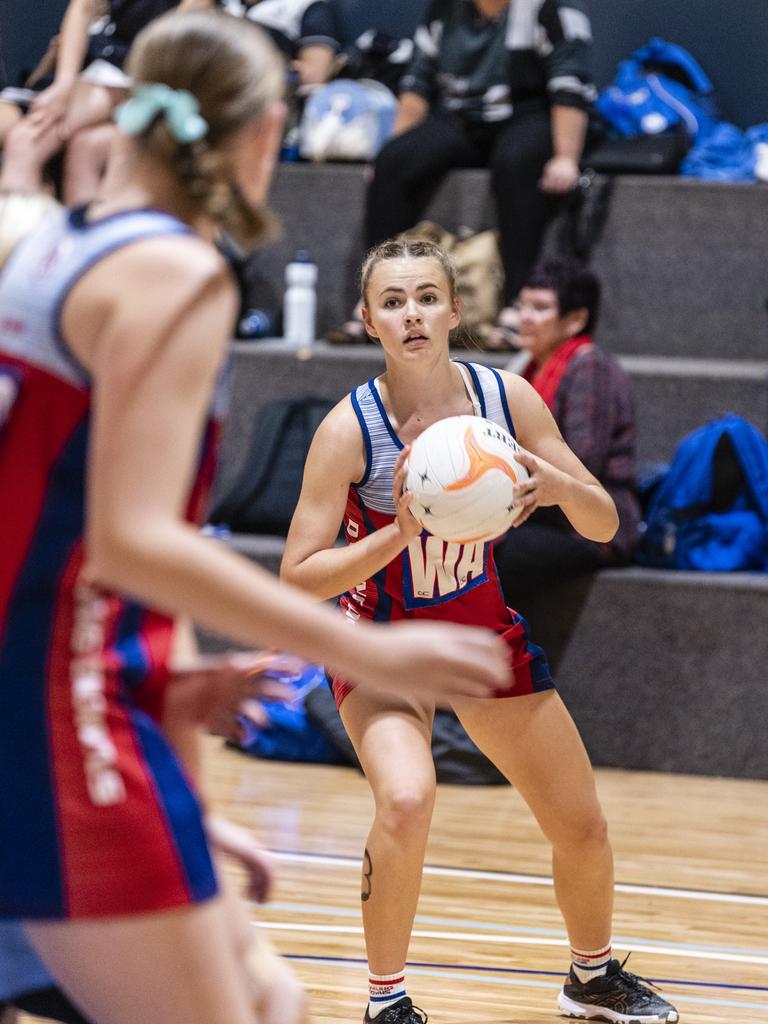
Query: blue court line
[
  {"x": 345, "y": 858},
  {"x": 526, "y": 971},
  {"x": 439, "y": 971},
  {"x": 302, "y": 908}
]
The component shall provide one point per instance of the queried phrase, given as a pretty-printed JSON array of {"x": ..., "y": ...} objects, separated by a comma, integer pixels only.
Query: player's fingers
[
  {"x": 527, "y": 459},
  {"x": 402, "y": 458},
  {"x": 523, "y": 490},
  {"x": 398, "y": 484},
  {"x": 524, "y": 516}
]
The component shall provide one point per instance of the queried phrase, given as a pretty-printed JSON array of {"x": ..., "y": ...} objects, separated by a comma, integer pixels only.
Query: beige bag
[{"x": 479, "y": 276}]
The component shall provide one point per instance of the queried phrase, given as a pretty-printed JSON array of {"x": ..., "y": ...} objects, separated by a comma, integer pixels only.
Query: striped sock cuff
[
  {"x": 386, "y": 988},
  {"x": 590, "y": 963}
]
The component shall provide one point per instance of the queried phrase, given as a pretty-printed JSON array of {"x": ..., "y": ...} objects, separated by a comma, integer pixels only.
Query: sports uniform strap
[
  {"x": 94, "y": 241},
  {"x": 476, "y": 408},
  {"x": 492, "y": 394},
  {"x": 382, "y": 447}
]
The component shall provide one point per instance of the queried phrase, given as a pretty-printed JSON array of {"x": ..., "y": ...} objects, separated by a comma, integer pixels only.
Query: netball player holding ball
[{"x": 391, "y": 570}]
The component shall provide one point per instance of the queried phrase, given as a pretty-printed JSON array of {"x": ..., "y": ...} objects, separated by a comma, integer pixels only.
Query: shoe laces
[
  {"x": 635, "y": 980},
  {"x": 403, "y": 1015},
  {"x": 407, "y": 1015}
]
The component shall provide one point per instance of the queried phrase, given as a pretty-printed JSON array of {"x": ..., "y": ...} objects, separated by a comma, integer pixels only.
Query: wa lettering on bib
[{"x": 435, "y": 570}]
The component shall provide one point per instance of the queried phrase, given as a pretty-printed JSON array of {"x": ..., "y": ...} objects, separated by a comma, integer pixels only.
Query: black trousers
[
  {"x": 537, "y": 556},
  {"x": 48, "y": 1002},
  {"x": 410, "y": 168}
]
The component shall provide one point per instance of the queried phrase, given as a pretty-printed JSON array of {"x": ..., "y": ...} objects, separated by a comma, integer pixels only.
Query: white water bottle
[{"x": 300, "y": 303}]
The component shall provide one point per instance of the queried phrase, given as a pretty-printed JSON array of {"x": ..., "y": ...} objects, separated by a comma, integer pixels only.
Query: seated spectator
[
  {"x": 15, "y": 100},
  {"x": 88, "y": 83},
  {"x": 591, "y": 398},
  {"x": 491, "y": 84},
  {"x": 304, "y": 30}
]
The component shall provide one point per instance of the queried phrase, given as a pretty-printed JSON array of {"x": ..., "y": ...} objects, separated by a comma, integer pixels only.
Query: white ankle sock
[
  {"x": 590, "y": 963},
  {"x": 384, "y": 990}
]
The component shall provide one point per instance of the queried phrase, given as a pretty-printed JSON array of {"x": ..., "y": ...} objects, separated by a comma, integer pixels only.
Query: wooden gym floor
[{"x": 489, "y": 945}]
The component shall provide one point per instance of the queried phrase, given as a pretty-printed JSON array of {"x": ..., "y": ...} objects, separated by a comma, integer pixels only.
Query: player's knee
[
  {"x": 406, "y": 808},
  {"x": 85, "y": 145},
  {"x": 580, "y": 832},
  {"x": 583, "y": 831}
]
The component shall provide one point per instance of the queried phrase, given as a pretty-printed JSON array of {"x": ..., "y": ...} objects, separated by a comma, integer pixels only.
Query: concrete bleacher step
[
  {"x": 682, "y": 261},
  {"x": 673, "y": 396},
  {"x": 662, "y": 671}
]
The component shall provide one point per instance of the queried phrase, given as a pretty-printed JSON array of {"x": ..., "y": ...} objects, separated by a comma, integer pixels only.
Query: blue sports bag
[{"x": 660, "y": 87}]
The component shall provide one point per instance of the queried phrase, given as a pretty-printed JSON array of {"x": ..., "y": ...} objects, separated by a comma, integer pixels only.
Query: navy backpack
[{"x": 710, "y": 512}]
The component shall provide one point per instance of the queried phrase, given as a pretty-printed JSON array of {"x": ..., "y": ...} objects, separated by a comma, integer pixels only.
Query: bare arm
[
  {"x": 569, "y": 129},
  {"x": 73, "y": 42},
  {"x": 557, "y": 477},
  {"x": 311, "y": 561},
  {"x": 153, "y": 363}
]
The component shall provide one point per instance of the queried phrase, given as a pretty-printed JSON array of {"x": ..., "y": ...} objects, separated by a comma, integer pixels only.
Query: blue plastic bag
[
  {"x": 289, "y": 735},
  {"x": 347, "y": 120}
]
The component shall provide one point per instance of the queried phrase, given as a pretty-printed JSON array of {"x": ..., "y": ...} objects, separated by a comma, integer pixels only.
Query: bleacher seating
[{"x": 663, "y": 670}]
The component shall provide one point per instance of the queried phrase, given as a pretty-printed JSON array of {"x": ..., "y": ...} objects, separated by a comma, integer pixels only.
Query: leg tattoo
[{"x": 367, "y": 872}]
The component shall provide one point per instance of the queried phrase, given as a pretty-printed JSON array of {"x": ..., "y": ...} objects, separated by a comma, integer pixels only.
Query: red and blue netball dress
[
  {"x": 97, "y": 817},
  {"x": 432, "y": 578}
]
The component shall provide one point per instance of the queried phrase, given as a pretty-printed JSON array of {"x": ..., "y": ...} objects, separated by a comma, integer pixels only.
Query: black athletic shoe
[
  {"x": 401, "y": 1012},
  {"x": 617, "y": 996}
]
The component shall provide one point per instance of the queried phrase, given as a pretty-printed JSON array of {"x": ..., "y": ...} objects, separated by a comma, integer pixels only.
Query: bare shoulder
[
  {"x": 522, "y": 397},
  {"x": 338, "y": 446},
  {"x": 169, "y": 264},
  {"x": 340, "y": 424},
  {"x": 150, "y": 290},
  {"x": 516, "y": 385}
]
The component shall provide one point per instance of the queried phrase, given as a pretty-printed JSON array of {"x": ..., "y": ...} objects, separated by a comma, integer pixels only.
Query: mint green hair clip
[{"x": 178, "y": 106}]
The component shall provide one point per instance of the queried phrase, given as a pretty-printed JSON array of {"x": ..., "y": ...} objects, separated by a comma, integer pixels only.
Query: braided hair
[{"x": 234, "y": 73}]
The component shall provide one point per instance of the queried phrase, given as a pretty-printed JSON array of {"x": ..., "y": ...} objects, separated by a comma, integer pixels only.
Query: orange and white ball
[{"x": 461, "y": 473}]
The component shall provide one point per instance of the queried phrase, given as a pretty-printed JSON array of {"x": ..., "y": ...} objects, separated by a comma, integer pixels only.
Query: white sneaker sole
[{"x": 572, "y": 1009}]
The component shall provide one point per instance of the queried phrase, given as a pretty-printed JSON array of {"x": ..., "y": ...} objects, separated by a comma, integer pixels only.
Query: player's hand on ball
[
  {"x": 545, "y": 486},
  {"x": 406, "y": 521}
]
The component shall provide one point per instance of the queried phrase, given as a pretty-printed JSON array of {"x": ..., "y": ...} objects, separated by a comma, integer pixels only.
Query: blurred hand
[
  {"x": 560, "y": 175},
  {"x": 28, "y": 147},
  {"x": 212, "y": 690},
  {"x": 238, "y": 842},
  {"x": 435, "y": 660},
  {"x": 52, "y": 104}
]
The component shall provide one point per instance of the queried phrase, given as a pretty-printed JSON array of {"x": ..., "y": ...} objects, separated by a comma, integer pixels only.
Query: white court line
[
  {"x": 517, "y": 879},
  {"x": 522, "y": 940}
]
